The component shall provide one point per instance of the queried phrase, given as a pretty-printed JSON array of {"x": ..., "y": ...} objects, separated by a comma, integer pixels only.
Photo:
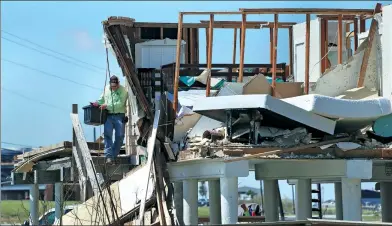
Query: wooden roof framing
[{"x": 340, "y": 14}]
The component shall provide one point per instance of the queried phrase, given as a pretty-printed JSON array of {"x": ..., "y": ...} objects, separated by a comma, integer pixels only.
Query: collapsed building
[{"x": 216, "y": 122}]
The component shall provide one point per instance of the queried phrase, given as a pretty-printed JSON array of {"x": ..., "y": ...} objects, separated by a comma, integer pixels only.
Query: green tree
[
  {"x": 251, "y": 193},
  {"x": 203, "y": 189}
]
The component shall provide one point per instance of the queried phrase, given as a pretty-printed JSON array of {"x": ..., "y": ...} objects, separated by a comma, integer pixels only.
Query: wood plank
[
  {"x": 356, "y": 34},
  {"x": 274, "y": 54},
  {"x": 321, "y": 11},
  {"x": 150, "y": 151},
  {"x": 348, "y": 40},
  {"x": 291, "y": 51},
  {"x": 209, "y": 53},
  {"x": 366, "y": 54},
  {"x": 242, "y": 48},
  {"x": 235, "y": 46},
  {"x": 289, "y": 150},
  {"x": 186, "y": 47},
  {"x": 340, "y": 39},
  {"x": 178, "y": 62},
  {"x": 192, "y": 45},
  {"x": 307, "y": 53},
  {"x": 82, "y": 177},
  {"x": 84, "y": 153}
]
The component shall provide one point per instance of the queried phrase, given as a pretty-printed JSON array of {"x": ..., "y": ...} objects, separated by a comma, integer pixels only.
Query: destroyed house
[{"x": 193, "y": 122}]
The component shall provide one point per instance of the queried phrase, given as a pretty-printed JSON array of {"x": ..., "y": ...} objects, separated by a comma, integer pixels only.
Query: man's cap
[{"x": 113, "y": 79}]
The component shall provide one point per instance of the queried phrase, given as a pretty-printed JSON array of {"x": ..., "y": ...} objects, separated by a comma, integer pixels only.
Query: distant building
[{"x": 246, "y": 193}]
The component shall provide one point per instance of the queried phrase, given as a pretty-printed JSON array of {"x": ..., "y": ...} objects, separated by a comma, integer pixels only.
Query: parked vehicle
[{"x": 48, "y": 218}]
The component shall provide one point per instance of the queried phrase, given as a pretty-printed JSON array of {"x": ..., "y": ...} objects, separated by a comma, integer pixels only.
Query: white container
[{"x": 155, "y": 53}]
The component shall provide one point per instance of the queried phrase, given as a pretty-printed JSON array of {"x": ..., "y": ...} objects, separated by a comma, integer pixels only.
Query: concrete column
[
  {"x": 338, "y": 201},
  {"x": 229, "y": 199},
  {"x": 59, "y": 201},
  {"x": 303, "y": 199},
  {"x": 178, "y": 201},
  {"x": 386, "y": 201},
  {"x": 271, "y": 200},
  {"x": 351, "y": 194},
  {"x": 215, "y": 201},
  {"x": 190, "y": 202},
  {"x": 34, "y": 201}
]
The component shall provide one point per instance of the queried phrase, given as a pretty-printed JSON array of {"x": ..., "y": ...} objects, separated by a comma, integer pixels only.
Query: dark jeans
[{"x": 116, "y": 122}]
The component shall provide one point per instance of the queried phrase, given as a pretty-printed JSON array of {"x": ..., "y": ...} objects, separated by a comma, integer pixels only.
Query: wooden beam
[
  {"x": 209, "y": 59},
  {"x": 335, "y": 17},
  {"x": 325, "y": 60},
  {"x": 362, "y": 25},
  {"x": 271, "y": 45},
  {"x": 348, "y": 40},
  {"x": 321, "y": 11},
  {"x": 242, "y": 48},
  {"x": 274, "y": 53},
  {"x": 322, "y": 44},
  {"x": 356, "y": 34},
  {"x": 366, "y": 55},
  {"x": 340, "y": 41},
  {"x": 307, "y": 52},
  {"x": 84, "y": 153},
  {"x": 192, "y": 44},
  {"x": 185, "y": 38},
  {"x": 207, "y": 44},
  {"x": 235, "y": 46},
  {"x": 178, "y": 62},
  {"x": 280, "y": 25}
]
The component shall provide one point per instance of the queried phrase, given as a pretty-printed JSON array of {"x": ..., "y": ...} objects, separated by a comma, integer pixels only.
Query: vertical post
[
  {"x": 209, "y": 59},
  {"x": 235, "y": 46},
  {"x": 229, "y": 199},
  {"x": 178, "y": 201},
  {"x": 386, "y": 201},
  {"x": 355, "y": 34},
  {"x": 271, "y": 44},
  {"x": 59, "y": 201},
  {"x": 271, "y": 200},
  {"x": 190, "y": 202},
  {"x": 186, "y": 38},
  {"x": 192, "y": 44},
  {"x": 348, "y": 39},
  {"x": 303, "y": 191},
  {"x": 161, "y": 32},
  {"x": 215, "y": 202},
  {"x": 242, "y": 48},
  {"x": 322, "y": 45},
  {"x": 34, "y": 200},
  {"x": 307, "y": 52},
  {"x": 338, "y": 201},
  {"x": 274, "y": 53},
  {"x": 178, "y": 61},
  {"x": 325, "y": 61},
  {"x": 207, "y": 35},
  {"x": 94, "y": 135},
  {"x": 291, "y": 52},
  {"x": 362, "y": 25},
  {"x": 340, "y": 39},
  {"x": 351, "y": 193},
  {"x": 74, "y": 111}
]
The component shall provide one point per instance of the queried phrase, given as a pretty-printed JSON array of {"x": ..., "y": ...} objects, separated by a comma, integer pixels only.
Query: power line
[
  {"x": 51, "y": 55},
  {"x": 21, "y": 145},
  {"x": 54, "y": 51},
  {"x": 38, "y": 101},
  {"x": 49, "y": 74}
]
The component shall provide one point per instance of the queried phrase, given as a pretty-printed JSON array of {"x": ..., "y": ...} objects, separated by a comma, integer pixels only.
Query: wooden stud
[
  {"x": 325, "y": 60},
  {"x": 207, "y": 44},
  {"x": 321, "y": 11},
  {"x": 365, "y": 59},
  {"x": 291, "y": 52},
  {"x": 209, "y": 59},
  {"x": 197, "y": 45},
  {"x": 274, "y": 53},
  {"x": 307, "y": 52},
  {"x": 340, "y": 39},
  {"x": 235, "y": 46},
  {"x": 178, "y": 62},
  {"x": 186, "y": 39},
  {"x": 192, "y": 44},
  {"x": 242, "y": 48},
  {"x": 362, "y": 25},
  {"x": 348, "y": 40},
  {"x": 355, "y": 34},
  {"x": 271, "y": 44},
  {"x": 322, "y": 46}
]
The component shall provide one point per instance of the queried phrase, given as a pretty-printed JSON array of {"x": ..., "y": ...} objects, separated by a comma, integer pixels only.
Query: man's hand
[
  {"x": 95, "y": 104},
  {"x": 103, "y": 106}
]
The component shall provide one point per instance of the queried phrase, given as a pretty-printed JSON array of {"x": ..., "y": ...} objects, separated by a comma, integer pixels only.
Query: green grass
[
  {"x": 17, "y": 211},
  {"x": 204, "y": 211}
]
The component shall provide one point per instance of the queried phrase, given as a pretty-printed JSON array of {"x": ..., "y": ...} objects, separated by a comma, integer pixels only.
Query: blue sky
[{"x": 74, "y": 28}]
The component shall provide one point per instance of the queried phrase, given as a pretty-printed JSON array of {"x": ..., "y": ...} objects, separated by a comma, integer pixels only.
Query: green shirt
[{"x": 115, "y": 100}]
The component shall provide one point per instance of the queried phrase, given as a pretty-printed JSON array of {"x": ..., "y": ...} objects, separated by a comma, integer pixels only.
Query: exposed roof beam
[{"x": 320, "y": 11}]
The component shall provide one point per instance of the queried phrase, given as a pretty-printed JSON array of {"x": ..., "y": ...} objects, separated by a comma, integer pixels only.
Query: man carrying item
[{"x": 114, "y": 101}]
